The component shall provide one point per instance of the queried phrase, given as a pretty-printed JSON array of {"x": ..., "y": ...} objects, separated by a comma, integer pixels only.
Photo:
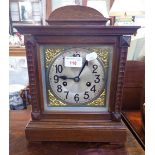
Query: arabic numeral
[
  {"x": 76, "y": 55},
  {"x": 58, "y": 68},
  {"x": 93, "y": 89},
  {"x": 97, "y": 80},
  {"x": 59, "y": 88},
  {"x": 67, "y": 92},
  {"x": 86, "y": 95},
  {"x": 56, "y": 78},
  {"x": 95, "y": 68},
  {"x": 76, "y": 97}
]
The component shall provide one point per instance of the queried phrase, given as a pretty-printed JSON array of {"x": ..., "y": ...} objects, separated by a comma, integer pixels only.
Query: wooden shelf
[
  {"x": 133, "y": 98},
  {"x": 134, "y": 122},
  {"x": 17, "y": 51}
]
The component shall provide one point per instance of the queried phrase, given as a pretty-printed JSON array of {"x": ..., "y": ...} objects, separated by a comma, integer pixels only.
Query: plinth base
[{"x": 76, "y": 130}]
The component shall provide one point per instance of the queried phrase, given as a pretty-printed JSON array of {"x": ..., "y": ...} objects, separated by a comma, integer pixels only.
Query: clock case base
[{"x": 76, "y": 130}]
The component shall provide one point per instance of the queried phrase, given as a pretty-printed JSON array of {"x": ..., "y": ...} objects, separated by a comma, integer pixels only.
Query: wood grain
[
  {"x": 17, "y": 51},
  {"x": 20, "y": 146},
  {"x": 75, "y": 15},
  {"x": 133, "y": 84},
  {"x": 134, "y": 121}
]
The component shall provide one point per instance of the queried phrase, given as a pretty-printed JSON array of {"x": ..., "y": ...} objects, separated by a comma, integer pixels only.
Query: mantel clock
[{"x": 76, "y": 69}]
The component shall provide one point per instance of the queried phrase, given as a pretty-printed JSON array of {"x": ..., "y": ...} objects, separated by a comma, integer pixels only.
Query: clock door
[{"x": 73, "y": 83}]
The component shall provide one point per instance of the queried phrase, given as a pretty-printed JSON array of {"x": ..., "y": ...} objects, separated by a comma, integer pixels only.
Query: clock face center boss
[{"x": 76, "y": 76}]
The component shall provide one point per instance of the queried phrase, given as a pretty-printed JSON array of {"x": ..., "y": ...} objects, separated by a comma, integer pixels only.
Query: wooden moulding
[
  {"x": 77, "y": 30},
  {"x": 76, "y": 130}
]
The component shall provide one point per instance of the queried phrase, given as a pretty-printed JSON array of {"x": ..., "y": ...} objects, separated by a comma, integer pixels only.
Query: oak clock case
[
  {"x": 76, "y": 103},
  {"x": 71, "y": 83}
]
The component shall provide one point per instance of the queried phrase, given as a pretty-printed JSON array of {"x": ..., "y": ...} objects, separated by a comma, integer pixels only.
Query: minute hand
[{"x": 85, "y": 63}]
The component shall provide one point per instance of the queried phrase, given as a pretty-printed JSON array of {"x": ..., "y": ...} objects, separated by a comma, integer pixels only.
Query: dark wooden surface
[
  {"x": 19, "y": 145},
  {"x": 134, "y": 98},
  {"x": 134, "y": 122},
  {"x": 72, "y": 30},
  {"x": 133, "y": 84}
]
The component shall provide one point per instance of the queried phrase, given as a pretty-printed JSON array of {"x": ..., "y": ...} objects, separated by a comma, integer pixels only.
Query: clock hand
[
  {"x": 85, "y": 63},
  {"x": 65, "y": 77},
  {"x": 76, "y": 79},
  {"x": 89, "y": 57}
]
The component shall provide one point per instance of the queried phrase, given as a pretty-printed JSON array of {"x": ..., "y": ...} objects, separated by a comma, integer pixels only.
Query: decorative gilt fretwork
[
  {"x": 50, "y": 54},
  {"x": 103, "y": 53},
  {"x": 100, "y": 101},
  {"x": 54, "y": 101}
]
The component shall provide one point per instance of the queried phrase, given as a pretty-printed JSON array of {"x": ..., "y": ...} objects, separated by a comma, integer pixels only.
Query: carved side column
[
  {"x": 124, "y": 44},
  {"x": 31, "y": 51}
]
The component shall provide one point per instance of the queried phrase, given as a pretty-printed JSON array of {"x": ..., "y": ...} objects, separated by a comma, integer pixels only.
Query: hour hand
[
  {"x": 76, "y": 79},
  {"x": 64, "y": 77}
]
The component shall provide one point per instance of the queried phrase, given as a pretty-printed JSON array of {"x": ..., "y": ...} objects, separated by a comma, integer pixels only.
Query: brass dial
[{"x": 76, "y": 85}]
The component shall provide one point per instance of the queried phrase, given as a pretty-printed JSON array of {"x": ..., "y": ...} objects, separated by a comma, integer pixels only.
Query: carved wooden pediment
[{"x": 73, "y": 14}]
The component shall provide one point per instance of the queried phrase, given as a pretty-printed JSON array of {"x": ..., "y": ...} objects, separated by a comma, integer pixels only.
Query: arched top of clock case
[{"x": 76, "y": 14}]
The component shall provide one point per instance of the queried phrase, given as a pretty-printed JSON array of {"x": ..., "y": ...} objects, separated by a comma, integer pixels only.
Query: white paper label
[
  {"x": 73, "y": 61},
  {"x": 91, "y": 56}
]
